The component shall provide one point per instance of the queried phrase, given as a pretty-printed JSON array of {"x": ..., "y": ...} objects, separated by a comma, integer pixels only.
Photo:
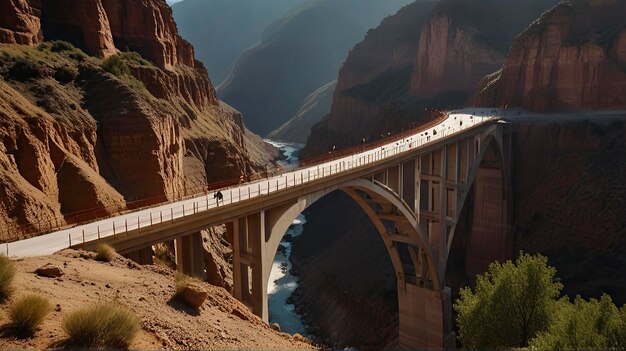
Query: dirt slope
[{"x": 221, "y": 323}]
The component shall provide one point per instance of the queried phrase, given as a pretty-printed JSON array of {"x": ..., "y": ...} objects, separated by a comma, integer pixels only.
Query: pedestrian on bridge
[{"x": 218, "y": 196}]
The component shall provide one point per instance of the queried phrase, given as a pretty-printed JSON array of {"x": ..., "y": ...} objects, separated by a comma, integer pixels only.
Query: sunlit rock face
[
  {"x": 75, "y": 137},
  {"x": 431, "y": 54},
  {"x": 573, "y": 57}
]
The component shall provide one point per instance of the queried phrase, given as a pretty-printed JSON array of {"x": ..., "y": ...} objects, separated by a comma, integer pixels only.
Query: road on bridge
[{"x": 456, "y": 122}]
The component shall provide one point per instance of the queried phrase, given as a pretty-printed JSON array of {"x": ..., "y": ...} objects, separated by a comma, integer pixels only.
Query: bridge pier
[
  {"x": 142, "y": 256},
  {"x": 425, "y": 318},
  {"x": 190, "y": 255},
  {"x": 249, "y": 272}
]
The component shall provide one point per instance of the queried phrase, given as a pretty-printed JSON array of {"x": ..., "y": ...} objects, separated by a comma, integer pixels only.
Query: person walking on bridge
[{"x": 218, "y": 196}]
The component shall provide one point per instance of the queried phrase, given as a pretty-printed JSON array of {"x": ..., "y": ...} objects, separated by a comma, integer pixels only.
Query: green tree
[
  {"x": 511, "y": 304},
  {"x": 592, "y": 325}
]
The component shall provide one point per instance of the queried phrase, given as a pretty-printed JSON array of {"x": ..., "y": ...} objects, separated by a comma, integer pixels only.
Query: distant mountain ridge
[
  {"x": 298, "y": 54},
  {"x": 221, "y": 30}
]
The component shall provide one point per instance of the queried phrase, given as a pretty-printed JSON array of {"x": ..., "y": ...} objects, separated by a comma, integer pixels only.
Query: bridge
[{"x": 413, "y": 189}]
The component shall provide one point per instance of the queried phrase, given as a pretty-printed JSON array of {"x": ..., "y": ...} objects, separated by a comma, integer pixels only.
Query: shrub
[
  {"x": 27, "y": 313},
  {"x": 115, "y": 65},
  {"x": 7, "y": 274},
  {"x": 511, "y": 304},
  {"x": 24, "y": 69},
  {"x": 65, "y": 74},
  {"x": 104, "y": 325},
  {"x": 120, "y": 64},
  {"x": 182, "y": 281},
  {"x": 60, "y": 46},
  {"x": 105, "y": 252}
]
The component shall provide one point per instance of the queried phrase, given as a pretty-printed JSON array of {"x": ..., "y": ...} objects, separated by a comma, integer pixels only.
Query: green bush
[
  {"x": 24, "y": 69},
  {"x": 120, "y": 64},
  {"x": 7, "y": 274},
  {"x": 585, "y": 325},
  {"x": 105, "y": 253},
  {"x": 61, "y": 46},
  {"x": 115, "y": 65},
  {"x": 27, "y": 313},
  {"x": 511, "y": 304},
  {"x": 102, "y": 325},
  {"x": 65, "y": 74}
]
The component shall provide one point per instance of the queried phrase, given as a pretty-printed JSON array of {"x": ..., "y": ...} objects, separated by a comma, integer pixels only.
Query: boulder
[
  {"x": 275, "y": 326},
  {"x": 50, "y": 271},
  {"x": 194, "y": 295}
]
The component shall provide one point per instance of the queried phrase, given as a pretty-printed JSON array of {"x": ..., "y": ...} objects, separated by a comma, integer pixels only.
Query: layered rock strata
[
  {"x": 572, "y": 58},
  {"x": 80, "y": 142}
]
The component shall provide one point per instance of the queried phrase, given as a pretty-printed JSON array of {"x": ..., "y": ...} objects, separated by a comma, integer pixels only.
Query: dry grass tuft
[
  {"x": 105, "y": 253},
  {"x": 7, "y": 274},
  {"x": 27, "y": 313},
  {"x": 102, "y": 325},
  {"x": 182, "y": 281}
]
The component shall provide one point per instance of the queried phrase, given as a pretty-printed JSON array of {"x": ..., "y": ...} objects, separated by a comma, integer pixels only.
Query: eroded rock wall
[
  {"x": 572, "y": 58},
  {"x": 92, "y": 141},
  {"x": 19, "y": 23}
]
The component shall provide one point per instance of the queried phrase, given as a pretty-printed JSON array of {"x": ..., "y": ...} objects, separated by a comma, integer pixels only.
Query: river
[{"x": 282, "y": 283}]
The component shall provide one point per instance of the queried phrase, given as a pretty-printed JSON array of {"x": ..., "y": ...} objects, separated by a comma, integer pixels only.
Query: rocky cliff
[
  {"x": 94, "y": 133},
  {"x": 19, "y": 23},
  {"x": 573, "y": 57},
  {"x": 430, "y": 55},
  {"x": 298, "y": 54}
]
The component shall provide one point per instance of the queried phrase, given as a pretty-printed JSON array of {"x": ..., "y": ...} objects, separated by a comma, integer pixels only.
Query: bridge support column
[
  {"x": 141, "y": 256},
  {"x": 425, "y": 318},
  {"x": 249, "y": 272},
  {"x": 190, "y": 256}
]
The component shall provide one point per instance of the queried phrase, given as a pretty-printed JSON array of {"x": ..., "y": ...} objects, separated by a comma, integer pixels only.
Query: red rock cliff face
[
  {"x": 430, "y": 55},
  {"x": 89, "y": 139},
  {"x": 148, "y": 27},
  {"x": 19, "y": 23},
  {"x": 450, "y": 58},
  {"x": 375, "y": 75},
  {"x": 573, "y": 57},
  {"x": 84, "y": 23}
]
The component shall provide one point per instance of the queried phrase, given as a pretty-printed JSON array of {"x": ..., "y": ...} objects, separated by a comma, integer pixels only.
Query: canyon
[
  {"x": 103, "y": 132},
  {"x": 104, "y": 108},
  {"x": 567, "y": 185},
  {"x": 221, "y": 30},
  {"x": 298, "y": 54},
  {"x": 428, "y": 56}
]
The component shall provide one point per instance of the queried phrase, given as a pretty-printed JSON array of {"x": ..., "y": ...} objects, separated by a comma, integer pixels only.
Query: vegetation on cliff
[{"x": 518, "y": 305}]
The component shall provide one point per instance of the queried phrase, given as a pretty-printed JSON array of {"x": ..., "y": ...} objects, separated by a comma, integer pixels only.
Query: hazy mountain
[
  {"x": 221, "y": 30},
  {"x": 298, "y": 54}
]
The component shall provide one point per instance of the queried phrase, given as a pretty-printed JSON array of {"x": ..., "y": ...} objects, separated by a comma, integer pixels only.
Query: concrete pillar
[
  {"x": 190, "y": 255},
  {"x": 422, "y": 321},
  {"x": 256, "y": 237},
  {"x": 141, "y": 256},
  {"x": 249, "y": 272},
  {"x": 488, "y": 239}
]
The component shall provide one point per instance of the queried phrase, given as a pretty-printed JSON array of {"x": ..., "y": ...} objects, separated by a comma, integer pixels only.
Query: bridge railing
[{"x": 147, "y": 212}]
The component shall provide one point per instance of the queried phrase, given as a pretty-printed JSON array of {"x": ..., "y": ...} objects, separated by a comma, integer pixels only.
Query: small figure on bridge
[
  {"x": 363, "y": 141},
  {"x": 241, "y": 178},
  {"x": 218, "y": 197},
  {"x": 334, "y": 148}
]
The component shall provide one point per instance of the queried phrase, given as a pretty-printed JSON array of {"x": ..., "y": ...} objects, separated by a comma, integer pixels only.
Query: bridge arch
[{"x": 419, "y": 248}]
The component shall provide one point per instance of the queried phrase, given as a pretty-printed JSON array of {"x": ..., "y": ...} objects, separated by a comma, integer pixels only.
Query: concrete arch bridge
[{"x": 412, "y": 189}]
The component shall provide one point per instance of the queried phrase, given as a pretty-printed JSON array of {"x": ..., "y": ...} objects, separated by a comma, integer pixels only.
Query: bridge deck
[{"x": 239, "y": 196}]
